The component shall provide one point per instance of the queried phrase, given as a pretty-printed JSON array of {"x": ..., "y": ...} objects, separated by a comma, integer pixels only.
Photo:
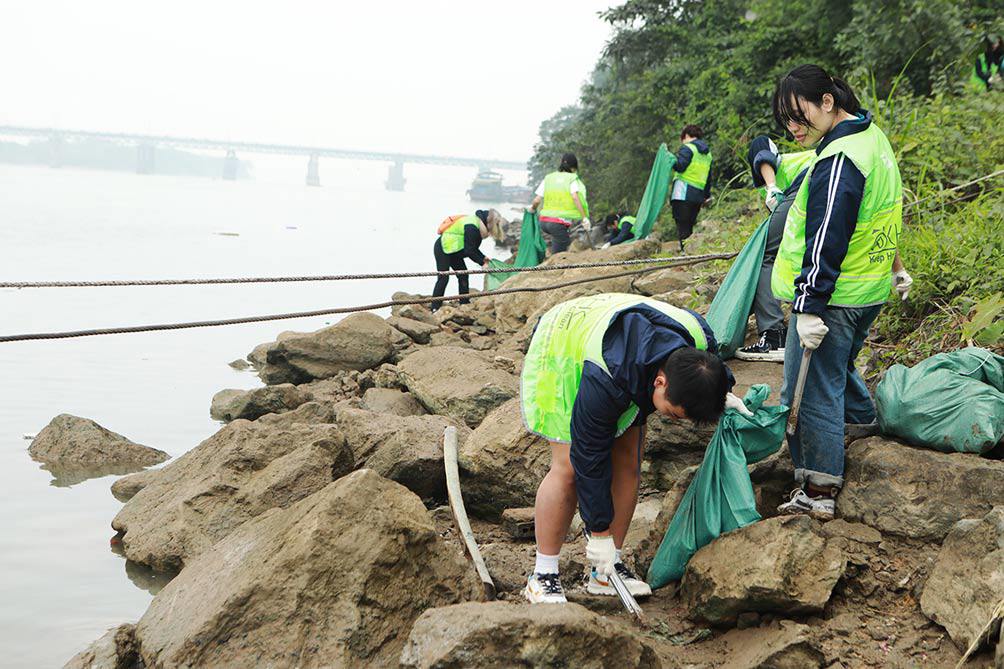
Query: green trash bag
[
  {"x": 951, "y": 402},
  {"x": 730, "y": 310},
  {"x": 655, "y": 193},
  {"x": 532, "y": 249},
  {"x": 720, "y": 498}
]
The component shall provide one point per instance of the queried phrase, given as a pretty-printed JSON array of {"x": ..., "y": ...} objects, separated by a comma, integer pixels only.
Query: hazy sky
[{"x": 472, "y": 77}]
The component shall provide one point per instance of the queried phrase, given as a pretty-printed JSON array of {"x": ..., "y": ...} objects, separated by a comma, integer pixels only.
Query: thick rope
[
  {"x": 671, "y": 262},
  {"x": 353, "y": 277}
]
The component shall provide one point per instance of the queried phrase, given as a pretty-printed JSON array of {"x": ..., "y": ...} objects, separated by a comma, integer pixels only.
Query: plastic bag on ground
[
  {"x": 720, "y": 498},
  {"x": 730, "y": 310},
  {"x": 654, "y": 197},
  {"x": 951, "y": 402},
  {"x": 532, "y": 249}
]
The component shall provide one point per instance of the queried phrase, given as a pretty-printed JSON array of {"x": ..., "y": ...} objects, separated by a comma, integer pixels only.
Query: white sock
[
  {"x": 546, "y": 564},
  {"x": 617, "y": 552}
]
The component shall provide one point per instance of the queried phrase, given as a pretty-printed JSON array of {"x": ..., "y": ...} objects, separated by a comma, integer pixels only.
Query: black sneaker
[{"x": 770, "y": 348}]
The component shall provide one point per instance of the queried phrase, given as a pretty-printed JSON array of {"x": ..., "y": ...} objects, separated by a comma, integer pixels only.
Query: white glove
[
  {"x": 811, "y": 330},
  {"x": 586, "y": 225},
  {"x": 605, "y": 246},
  {"x": 601, "y": 552},
  {"x": 733, "y": 402},
  {"x": 902, "y": 281},
  {"x": 774, "y": 197}
]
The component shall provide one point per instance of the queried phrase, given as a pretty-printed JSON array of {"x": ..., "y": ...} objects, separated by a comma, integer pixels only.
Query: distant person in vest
[
  {"x": 692, "y": 185},
  {"x": 778, "y": 176},
  {"x": 597, "y": 366},
  {"x": 561, "y": 199},
  {"x": 836, "y": 264},
  {"x": 984, "y": 68},
  {"x": 459, "y": 238},
  {"x": 620, "y": 226}
]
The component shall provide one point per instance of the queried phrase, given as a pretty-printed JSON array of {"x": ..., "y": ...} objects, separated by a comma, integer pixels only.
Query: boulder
[
  {"x": 967, "y": 581},
  {"x": 495, "y": 634},
  {"x": 240, "y": 364},
  {"x": 419, "y": 331},
  {"x": 518, "y": 309},
  {"x": 228, "y": 405},
  {"x": 502, "y": 463},
  {"x": 915, "y": 492},
  {"x": 126, "y": 487},
  {"x": 237, "y": 474},
  {"x": 335, "y": 580},
  {"x": 416, "y": 312},
  {"x": 406, "y": 449},
  {"x": 257, "y": 355},
  {"x": 78, "y": 448},
  {"x": 360, "y": 341},
  {"x": 780, "y": 565},
  {"x": 663, "y": 281},
  {"x": 456, "y": 382},
  {"x": 388, "y": 400},
  {"x": 115, "y": 649},
  {"x": 786, "y": 646}
]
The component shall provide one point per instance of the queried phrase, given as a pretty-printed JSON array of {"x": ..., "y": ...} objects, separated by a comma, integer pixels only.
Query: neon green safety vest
[
  {"x": 697, "y": 171},
  {"x": 981, "y": 64},
  {"x": 567, "y": 336},
  {"x": 865, "y": 271},
  {"x": 453, "y": 237},
  {"x": 627, "y": 220},
  {"x": 558, "y": 202}
]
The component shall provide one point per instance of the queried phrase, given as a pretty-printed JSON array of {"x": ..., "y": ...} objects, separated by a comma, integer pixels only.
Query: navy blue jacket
[
  {"x": 763, "y": 150},
  {"x": 836, "y": 188},
  {"x": 683, "y": 158},
  {"x": 622, "y": 235},
  {"x": 635, "y": 346}
]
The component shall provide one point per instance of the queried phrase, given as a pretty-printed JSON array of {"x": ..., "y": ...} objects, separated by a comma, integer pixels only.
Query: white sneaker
[
  {"x": 544, "y": 589},
  {"x": 599, "y": 585},
  {"x": 820, "y": 508}
]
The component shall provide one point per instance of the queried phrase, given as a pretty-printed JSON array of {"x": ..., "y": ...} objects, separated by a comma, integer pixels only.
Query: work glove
[
  {"x": 902, "y": 281},
  {"x": 733, "y": 402},
  {"x": 811, "y": 330},
  {"x": 586, "y": 225},
  {"x": 601, "y": 553},
  {"x": 774, "y": 197},
  {"x": 605, "y": 246}
]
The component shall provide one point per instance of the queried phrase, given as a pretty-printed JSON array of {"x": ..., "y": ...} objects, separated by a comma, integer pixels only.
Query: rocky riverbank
[{"x": 310, "y": 530}]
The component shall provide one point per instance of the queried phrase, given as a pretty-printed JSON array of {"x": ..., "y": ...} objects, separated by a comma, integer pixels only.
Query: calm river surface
[{"x": 61, "y": 585}]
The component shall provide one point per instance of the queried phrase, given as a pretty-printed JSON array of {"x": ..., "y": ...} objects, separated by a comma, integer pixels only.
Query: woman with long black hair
[{"x": 835, "y": 265}]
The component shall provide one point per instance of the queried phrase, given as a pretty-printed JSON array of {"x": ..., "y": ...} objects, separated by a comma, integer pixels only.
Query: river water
[{"x": 61, "y": 584}]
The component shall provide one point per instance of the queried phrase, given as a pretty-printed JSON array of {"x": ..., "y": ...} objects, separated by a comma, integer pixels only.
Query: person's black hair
[
  {"x": 697, "y": 381},
  {"x": 811, "y": 83},
  {"x": 483, "y": 215},
  {"x": 622, "y": 213},
  {"x": 692, "y": 130},
  {"x": 611, "y": 219},
  {"x": 568, "y": 163}
]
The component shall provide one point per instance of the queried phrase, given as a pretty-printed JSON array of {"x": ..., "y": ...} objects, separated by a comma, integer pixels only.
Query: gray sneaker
[{"x": 820, "y": 508}]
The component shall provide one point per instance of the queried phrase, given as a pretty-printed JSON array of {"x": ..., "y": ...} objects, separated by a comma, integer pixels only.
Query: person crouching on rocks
[
  {"x": 597, "y": 366},
  {"x": 459, "y": 238}
]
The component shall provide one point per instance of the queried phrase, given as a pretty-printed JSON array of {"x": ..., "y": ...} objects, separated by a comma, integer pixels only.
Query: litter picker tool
[
  {"x": 460, "y": 513},
  {"x": 796, "y": 399}
]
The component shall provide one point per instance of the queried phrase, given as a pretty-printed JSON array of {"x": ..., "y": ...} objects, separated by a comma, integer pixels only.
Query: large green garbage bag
[
  {"x": 720, "y": 498},
  {"x": 730, "y": 309},
  {"x": 532, "y": 249},
  {"x": 655, "y": 192},
  {"x": 951, "y": 402}
]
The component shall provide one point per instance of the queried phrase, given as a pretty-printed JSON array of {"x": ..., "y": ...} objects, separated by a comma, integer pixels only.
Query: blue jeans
[{"x": 834, "y": 394}]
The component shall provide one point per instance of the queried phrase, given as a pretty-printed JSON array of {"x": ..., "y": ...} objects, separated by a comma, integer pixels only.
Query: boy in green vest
[
  {"x": 597, "y": 366},
  {"x": 692, "y": 187}
]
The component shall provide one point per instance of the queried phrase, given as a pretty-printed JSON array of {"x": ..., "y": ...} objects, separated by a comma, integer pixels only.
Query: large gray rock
[
  {"x": 358, "y": 342},
  {"x": 498, "y": 634},
  {"x": 780, "y": 565},
  {"x": 419, "y": 331},
  {"x": 389, "y": 400},
  {"x": 457, "y": 382},
  {"x": 518, "y": 309},
  {"x": 502, "y": 463},
  {"x": 967, "y": 581},
  {"x": 237, "y": 474},
  {"x": 335, "y": 580},
  {"x": 406, "y": 449},
  {"x": 663, "y": 281},
  {"x": 115, "y": 649},
  {"x": 915, "y": 492},
  {"x": 230, "y": 404},
  {"x": 75, "y": 449}
]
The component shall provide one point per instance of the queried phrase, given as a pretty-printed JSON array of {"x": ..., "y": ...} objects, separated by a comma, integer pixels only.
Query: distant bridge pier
[
  {"x": 57, "y": 146},
  {"x": 395, "y": 177},
  {"x": 230, "y": 165},
  {"x": 146, "y": 159},
  {"x": 313, "y": 170}
]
